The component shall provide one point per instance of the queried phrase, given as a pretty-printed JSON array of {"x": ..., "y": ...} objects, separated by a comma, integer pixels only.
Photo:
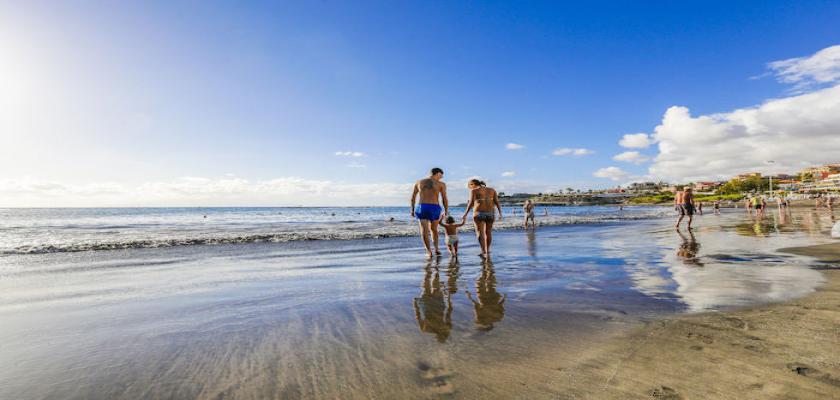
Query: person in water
[
  {"x": 451, "y": 229},
  {"x": 530, "y": 215},
  {"x": 428, "y": 212},
  {"x": 484, "y": 200},
  {"x": 686, "y": 207}
]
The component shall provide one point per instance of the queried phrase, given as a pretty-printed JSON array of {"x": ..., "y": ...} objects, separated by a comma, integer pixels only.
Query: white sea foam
[{"x": 51, "y": 231}]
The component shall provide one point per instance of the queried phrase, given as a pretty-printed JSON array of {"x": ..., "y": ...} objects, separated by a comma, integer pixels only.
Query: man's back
[{"x": 429, "y": 190}]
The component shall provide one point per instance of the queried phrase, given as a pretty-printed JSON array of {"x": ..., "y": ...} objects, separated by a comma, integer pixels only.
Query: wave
[{"x": 386, "y": 230}]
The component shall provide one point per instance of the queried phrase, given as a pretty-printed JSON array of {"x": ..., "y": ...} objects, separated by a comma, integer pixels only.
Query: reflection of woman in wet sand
[
  {"x": 688, "y": 249},
  {"x": 490, "y": 307},
  {"x": 433, "y": 309}
]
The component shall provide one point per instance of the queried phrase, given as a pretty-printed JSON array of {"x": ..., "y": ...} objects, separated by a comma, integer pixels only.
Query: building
[
  {"x": 821, "y": 172},
  {"x": 748, "y": 175},
  {"x": 706, "y": 186},
  {"x": 830, "y": 183},
  {"x": 645, "y": 187}
]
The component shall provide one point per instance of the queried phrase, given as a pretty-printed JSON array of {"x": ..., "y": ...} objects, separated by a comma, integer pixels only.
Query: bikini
[{"x": 484, "y": 216}]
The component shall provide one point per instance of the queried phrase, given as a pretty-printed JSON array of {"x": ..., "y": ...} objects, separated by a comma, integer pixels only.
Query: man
[
  {"x": 687, "y": 207},
  {"x": 428, "y": 212},
  {"x": 678, "y": 201}
]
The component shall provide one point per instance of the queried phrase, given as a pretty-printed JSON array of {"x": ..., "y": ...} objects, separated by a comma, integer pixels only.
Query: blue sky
[{"x": 104, "y": 96}]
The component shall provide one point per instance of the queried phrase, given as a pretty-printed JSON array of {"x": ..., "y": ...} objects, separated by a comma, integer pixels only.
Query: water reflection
[
  {"x": 532, "y": 242},
  {"x": 433, "y": 309},
  {"x": 490, "y": 305},
  {"x": 687, "y": 251}
]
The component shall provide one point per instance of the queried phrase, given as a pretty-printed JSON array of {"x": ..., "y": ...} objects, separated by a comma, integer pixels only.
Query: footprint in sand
[
  {"x": 664, "y": 393},
  {"x": 438, "y": 378},
  {"x": 701, "y": 337},
  {"x": 805, "y": 370}
]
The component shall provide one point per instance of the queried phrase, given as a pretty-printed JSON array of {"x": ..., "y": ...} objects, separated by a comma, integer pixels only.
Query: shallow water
[
  {"x": 371, "y": 318},
  {"x": 55, "y": 230}
]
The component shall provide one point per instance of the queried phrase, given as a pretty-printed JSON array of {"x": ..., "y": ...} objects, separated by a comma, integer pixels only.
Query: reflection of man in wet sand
[
  {"x": 490, "y": 307},
  {"x": 428, "y": 211},
  {"x": 688, "y": 249},
  {"x": 433, "y": 309}
]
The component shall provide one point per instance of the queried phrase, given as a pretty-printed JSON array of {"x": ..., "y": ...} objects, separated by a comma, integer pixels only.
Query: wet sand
[
  {"x": 783, "y": 351},
  {"x": 588, "y": 311}
]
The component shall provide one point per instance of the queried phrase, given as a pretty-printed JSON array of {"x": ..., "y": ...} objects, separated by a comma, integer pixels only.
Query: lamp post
[{"x": 771, "y": 177}]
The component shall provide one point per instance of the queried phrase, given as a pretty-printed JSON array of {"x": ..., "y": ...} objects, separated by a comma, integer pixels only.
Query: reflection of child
[{"x": 451, "y": 229}]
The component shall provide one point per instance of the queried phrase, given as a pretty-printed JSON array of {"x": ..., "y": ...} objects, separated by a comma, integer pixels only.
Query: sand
[{"x": 781, "y": 351}]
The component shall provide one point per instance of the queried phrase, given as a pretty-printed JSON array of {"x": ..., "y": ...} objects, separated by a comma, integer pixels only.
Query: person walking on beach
[
  {"x": 686, "y": 207},
  {"x": 428, "y": 211},
  {"x": 451, "y": 229},
  {"x": 678, "y": 201},
  {"x": 484, "y": 199},
  {"x": 530, "y": 215}
]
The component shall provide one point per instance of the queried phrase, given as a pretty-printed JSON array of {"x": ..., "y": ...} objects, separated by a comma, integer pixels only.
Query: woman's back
[{"x": 484, "y": 198}]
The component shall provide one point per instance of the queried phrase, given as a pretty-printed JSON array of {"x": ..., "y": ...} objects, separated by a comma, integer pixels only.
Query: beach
[
  {"x": 781, "y": 351},
  {"x": 608, "y": 307}
]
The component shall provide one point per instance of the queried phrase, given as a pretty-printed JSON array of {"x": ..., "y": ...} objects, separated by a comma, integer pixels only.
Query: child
[{"x": 451, "y": 229}]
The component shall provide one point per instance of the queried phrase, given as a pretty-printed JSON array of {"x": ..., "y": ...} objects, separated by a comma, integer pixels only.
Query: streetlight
[{"x": 771, "y": 177}]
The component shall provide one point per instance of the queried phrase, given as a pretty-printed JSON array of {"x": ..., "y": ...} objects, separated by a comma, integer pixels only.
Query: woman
[
  {"x": 484, "y": 199},
  {"x": 528, "y": 210}
]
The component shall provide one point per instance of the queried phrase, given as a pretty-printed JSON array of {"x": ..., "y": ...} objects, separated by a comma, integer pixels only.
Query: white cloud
[
  {"x": 508, "y": 173},
  {"x": 349, "y": 154},
  {"x": 612, "y": 173},
  {"x": 632, "y": 157},
  {"x": 822, "y": 67},
  {"x": 565, "y": 151},
  {"x": 198, "y": 191},
  {"x": 794, "y": 132},
  {"x": 514, "y": 146},
  {"x": 636, "y": 141},
  {"x": 356, "y": 165}
]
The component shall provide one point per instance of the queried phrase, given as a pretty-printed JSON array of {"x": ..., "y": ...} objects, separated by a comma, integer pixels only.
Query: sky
[{"x": 167, "y": 103}]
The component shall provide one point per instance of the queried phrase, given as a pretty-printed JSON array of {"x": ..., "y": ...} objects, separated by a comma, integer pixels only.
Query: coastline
[{"x": 786, "y": 350}]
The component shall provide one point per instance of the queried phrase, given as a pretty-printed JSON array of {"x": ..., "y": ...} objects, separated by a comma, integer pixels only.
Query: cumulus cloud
[
  {"x": 565, "y": 151},
  {"x": 795, "y": 132},
  {"x": 349, "y": 154},
  {"x": 514, "y": 146},
  {"x": 632, "y": 157},
  {"x": 508, "y": 173},
  {"x": 200, "y": 191},
  {"x": 636, "y": 141},
  {"x": 611, "y": 173},
  {"x": 822, "y": 67}
]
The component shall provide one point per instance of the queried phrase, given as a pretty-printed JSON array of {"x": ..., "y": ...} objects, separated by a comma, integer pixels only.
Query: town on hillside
[{"x": 810, "y": 183}]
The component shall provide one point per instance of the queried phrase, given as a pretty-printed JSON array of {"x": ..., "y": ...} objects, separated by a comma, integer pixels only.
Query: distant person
[
  {"x": 748, "y": 204},
  {"x": 678, "y": 200},
  {"x": 530, "y": 215},
  {"x": 716, "y": 207},
  {"x": 686, "y": 208},
  {"x": 428, "y": 211},
  {"x": 484, "y": 199},
  {"x": 451, "y": 229},
  {"x": 756, "y": 204},
  {"x": 700, "y": 207}
]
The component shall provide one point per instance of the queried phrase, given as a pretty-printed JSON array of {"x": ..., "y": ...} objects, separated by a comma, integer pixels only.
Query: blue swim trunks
[{"x": 430, "y": 212}]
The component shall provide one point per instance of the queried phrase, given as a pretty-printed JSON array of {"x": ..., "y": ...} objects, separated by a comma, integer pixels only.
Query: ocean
[{"x": 49, "y": 230}]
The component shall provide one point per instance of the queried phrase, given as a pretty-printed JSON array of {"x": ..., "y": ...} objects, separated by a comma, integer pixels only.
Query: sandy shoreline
[{"x": 779, "y": 351}]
